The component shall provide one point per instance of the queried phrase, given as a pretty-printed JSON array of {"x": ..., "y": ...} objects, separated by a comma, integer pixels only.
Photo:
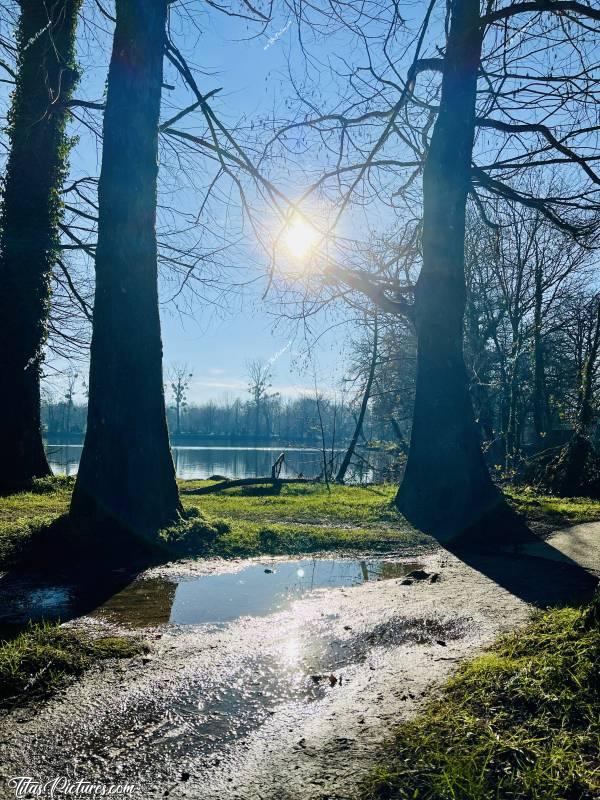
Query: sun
[{"x": 300, "y": 237}]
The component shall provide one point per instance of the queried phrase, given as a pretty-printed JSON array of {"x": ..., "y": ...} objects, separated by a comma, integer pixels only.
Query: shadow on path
[{"x": 509, "y": 553}]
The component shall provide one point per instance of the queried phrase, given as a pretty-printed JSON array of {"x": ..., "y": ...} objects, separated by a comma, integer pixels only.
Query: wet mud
[{"x": 289, "y": 699}]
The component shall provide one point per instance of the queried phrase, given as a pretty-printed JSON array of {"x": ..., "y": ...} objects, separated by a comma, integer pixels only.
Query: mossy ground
[
  {"x": 305, "y": 518},
  {"x": 546, "y": 513},
  {"x": 520, "y": 721},
  {"x": 236, "y": 523},
  {"x": 252, "y": 521},
  {"x": 44, "y": 656}
]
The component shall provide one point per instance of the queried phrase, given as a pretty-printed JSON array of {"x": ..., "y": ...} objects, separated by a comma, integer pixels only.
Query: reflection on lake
[{"x": 202, "y": 461}]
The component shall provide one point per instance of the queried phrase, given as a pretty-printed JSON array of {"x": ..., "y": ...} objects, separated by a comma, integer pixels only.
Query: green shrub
[{"x": 193, "y": 534}]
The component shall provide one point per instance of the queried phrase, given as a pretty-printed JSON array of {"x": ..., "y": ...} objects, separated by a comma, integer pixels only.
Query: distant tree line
[{"x": 287, "y": 420}]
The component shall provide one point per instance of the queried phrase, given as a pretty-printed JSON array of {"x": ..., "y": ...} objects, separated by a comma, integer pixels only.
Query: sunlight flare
[{"x": 300, "y": 237}]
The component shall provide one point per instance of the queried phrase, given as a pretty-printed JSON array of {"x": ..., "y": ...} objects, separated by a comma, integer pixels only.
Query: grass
[
  {"x": 547, "y": 512},
  {"x": 45, "y": 656},
  {"x": 520, "y": 721},
  {"x": 236, "y": 523},
  {"x": 26, "y": 515},
  {"x": 360, "y": 506},
  {"x": 304, "y": 518},
  {"x": 252, "y": 521}
]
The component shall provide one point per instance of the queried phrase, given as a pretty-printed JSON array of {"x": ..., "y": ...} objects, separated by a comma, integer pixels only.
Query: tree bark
[
  {"x": 540, "y": 398},
  {"x": 398, "y": 433},
  {"x": 31, "y": 210},
  {"x": 126, "y": 476},
  {"x": 573, "y": 467},
  {"x": 512, "y": 428},
  {"x": 363, "y": 410},
  {"x": 446, "y": 486}
]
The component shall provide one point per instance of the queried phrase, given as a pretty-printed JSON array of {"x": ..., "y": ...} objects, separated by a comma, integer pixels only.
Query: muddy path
[{"x": 295, "y": 701}]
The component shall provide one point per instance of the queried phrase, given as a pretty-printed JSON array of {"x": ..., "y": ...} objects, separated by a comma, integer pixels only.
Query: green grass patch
[
  {"x": 44, "y": 656},
  {"x": 304, "y": 518},
  {"x": 353, "y": 505},
  {"x": 246, "y": 539},
  {"x": 251, "y": 521},
  {"x": 25, "y": 515},
  {"x": 236, "y": 523},
  {"x": 520, "y": 721},
  {"x": 547, "y": 512}
]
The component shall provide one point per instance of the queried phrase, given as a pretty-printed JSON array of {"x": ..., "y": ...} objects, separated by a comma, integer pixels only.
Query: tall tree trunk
[
  {"x": 575, "y": 470},
  {"x": 257, "y": 417},
  {"x": 540, "y": 399},
  {"x": 363, "y": 410},
  {"x": 446, "y": 485},
  {"x": 31, "y": 210},
  {"x": 126, "y": 475},
  {"x": 512, "y": 439}
]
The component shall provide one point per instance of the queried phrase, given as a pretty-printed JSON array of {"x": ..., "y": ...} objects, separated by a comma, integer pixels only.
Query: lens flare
[{"x": 300, "y": 238}]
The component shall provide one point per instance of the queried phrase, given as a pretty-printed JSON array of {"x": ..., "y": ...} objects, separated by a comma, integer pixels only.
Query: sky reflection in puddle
[{"x": 256, "y": 590}]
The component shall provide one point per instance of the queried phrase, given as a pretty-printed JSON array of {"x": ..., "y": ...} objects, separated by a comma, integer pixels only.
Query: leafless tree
[
  {"x": 469, "y": 105},
  {"x": 179, "y": 377}
]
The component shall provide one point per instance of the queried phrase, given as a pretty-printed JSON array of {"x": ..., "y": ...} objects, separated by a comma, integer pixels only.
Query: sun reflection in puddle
[
  {"x": 216, "y": 598},
  {"x": 291, "y": 652}
]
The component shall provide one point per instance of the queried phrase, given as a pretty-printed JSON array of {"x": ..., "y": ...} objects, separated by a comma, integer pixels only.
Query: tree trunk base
[
  {"x": 447, "y": 505},
  {"x": 24, "y": 461},
  {"x": 139, "y": 519},
  {"x": 575, "y": 472},
  {"x": 132, "y": 491}
]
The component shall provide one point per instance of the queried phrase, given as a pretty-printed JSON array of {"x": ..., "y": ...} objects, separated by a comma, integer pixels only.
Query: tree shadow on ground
[
  {"x": 506, "y": 550},
  {"x": 62, "y": 574}
]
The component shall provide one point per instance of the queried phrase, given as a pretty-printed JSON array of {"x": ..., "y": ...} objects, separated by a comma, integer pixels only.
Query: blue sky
[{"x": 216, "y": 344}]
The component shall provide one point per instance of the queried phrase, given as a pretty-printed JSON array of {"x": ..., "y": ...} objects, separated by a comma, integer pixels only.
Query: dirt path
[{"x": 248, "y": 710}]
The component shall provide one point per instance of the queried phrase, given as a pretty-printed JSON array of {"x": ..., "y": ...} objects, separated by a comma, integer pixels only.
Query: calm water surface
[
  {"x": 202, "y": 461},
  {"x": 256, "y": 590}
]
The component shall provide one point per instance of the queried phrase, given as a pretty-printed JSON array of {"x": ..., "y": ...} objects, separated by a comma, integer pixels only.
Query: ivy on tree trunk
[
  {"x": 126, "y": 477},
  {"x": 31, "y": 212}
]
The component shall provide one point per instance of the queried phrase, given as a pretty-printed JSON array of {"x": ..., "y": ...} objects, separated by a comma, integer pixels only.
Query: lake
[{"x": 202, "y": 461}]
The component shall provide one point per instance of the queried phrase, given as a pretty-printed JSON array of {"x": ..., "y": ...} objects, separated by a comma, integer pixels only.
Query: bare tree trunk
[
  {"x": 574, "y": 467},
  {"x": 363, "y": 409},
  {"x": 31, "y": 210},
  {"x": 126, "y": 475},
  {"x": 398, "y": 433},
  {"x": 540, "y": 400},
  {"x": 512, "y": 428},
  {"x": 257, "y": 418},
  {"x": 323, "y": 446},
  {"x": 446, "y": 485}
]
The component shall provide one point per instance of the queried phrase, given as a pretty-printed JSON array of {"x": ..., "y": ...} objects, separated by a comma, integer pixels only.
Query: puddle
[
  {"x": 198, "y": 718},
  {"x": 205, "y": 721},
  {"x": 256, "y": 590}
]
